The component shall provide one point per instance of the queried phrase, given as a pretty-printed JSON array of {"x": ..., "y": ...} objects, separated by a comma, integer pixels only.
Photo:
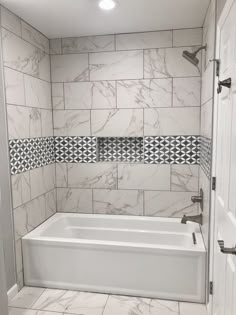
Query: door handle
[
  {"x": 224, "y": 250},
  {"x": 226, "y": 83}
]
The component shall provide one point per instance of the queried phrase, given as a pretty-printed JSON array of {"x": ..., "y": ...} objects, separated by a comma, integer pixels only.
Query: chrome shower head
[{"x": 191, "y": 56}]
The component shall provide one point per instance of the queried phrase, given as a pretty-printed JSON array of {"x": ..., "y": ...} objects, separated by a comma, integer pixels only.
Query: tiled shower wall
[
  {"x": 135, "y": 88},
  {"x": 27, "y": 77}
]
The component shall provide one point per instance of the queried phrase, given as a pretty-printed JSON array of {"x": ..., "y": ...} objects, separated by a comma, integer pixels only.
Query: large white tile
[
  {"x": 61, "y": 175},
  {"x": 187, "y": 37},
  {"x": 207, "y": 83},
  {"x": 22, "y": 56},
  {"x": 193, "y": 309},
  {"x": 18, "y": 122},
  {"x": 50, "y": 203},
  {"x": 184, "y": 177},
  {"x": 168, "y": 62},
  {"x": 116, "y": 65},
  {"x": 144, "y": 176},
  {"x": 20, "y": 311},
  {"x": 117, "y": 123},
  {"x": 14, "y": 87},
  {"x": 87, "y": 95},
  {"x": 71, "y": 122},
  {"x": 42, "y": 180},
  {"x": 35, "y": 123},
  {"x": 20, "y": 188},
  {"x": 26, "y": 297},
  {"x": 47, "y": 124},
  {"x": 69, "y": 68},
  {"x": 144, "y": 40},
  {"x": 55, "y": 46},
  {"x": 37, "y": 92},
  {"x": 186, "y": 92},
  {"x": 88, "y": 44},
  {"x": 92, "y": 175},
  {"x": 206, "y": 119},
  {"x": 10, "y": 21},
  {"x": 144, "y": 93},
  {"x": 168, "y": 204},
  {"x": 128, "y": 202},
  {"x": 58, "y": 96},
  {"x": 74, "y": 200},
  {"x": 34, "y": 37},
  {"x": 18, "y": 256},
  {"x": 164, "y": 307},
  {"x": 172, "y": 121}
]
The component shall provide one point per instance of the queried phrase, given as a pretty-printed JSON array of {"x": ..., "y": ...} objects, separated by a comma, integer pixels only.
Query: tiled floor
[{"x": 38, "y": 301}]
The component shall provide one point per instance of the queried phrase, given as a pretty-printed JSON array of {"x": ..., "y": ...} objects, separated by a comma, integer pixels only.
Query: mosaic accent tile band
[
  {"x": 205, "y": 155},
  {"x": 26, "y": 154}
]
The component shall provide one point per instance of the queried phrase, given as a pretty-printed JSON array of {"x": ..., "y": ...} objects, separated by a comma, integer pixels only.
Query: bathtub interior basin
[{"x": 140, "y": 256}]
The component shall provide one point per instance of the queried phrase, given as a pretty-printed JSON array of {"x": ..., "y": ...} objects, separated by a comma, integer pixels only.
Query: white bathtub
[{"x": 139, "y": 256}]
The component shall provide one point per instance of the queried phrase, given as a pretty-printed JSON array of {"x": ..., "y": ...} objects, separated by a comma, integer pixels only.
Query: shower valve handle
[
  {"x": 226, "y": 83},
  {"x": 224, "y": 250}
]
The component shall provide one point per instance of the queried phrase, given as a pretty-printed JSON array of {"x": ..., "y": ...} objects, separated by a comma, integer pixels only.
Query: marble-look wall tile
[
  {"x": 14, "y": 87},
  {"x": 42, "y": 180},
  {"x": 116, "y": 65},
  {"x": 88, "y": 44},
  {"x": 186, "y": 92},
  {"x": 144, "y": 176},
  {"x": 209, "y": 34},
  {"x": 20, "y": 188},
  {"x": 184, "y": 177},
  {"x": 55, "y": 46},
  {"x": 71, "y": 122},
  {"x": 35, "y": 123},
  {"x": 126, "y": 202},
  {"x": 207, "y": 83},
  {"x": 18, "y": 122},
  {"x": 74, "y": 200},
  {"x": 144, "y": 93},
  {"x": 168, "y": 62},
  {"x": 18, "y": 256},
  {"x": 33, "y": 36},
  {"x": 58, "y": 96},
  {"x": 61, "y": 175},
  {"x": 206, "y": 119},
  {"x": 187, "y": 37},
  {"x": 117, "y": 123},
  {"x": 144, "y": 40},
  {"x": 205, "y": 184},
  {"x": 10, "y": 21},
  {"x": 37, "y": 92},
  {"x": 50, "y": 203},
  {"x": 22, "y": 56},
  {"x": 169, "y": 204},
  {"x": 87, "y": 95},
  {"x": 171, "y": 121},
  {"x": 92, "y": 175},
  {"x": 69, "y": 68},
  {"x": 47, "y": 124}
]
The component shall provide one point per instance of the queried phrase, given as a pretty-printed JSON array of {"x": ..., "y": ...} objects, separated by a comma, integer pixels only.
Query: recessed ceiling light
[{"x": 107, "y": 4}]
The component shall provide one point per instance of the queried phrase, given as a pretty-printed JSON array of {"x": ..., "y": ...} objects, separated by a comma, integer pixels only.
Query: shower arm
[{"x": 199, "y": 49}]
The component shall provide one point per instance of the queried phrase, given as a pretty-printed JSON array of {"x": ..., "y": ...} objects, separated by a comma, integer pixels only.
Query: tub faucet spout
[{"x": 192, "y": 218}]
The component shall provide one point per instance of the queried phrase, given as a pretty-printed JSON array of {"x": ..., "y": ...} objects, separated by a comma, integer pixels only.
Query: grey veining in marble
[
  {"x": 116, "y": 65},
  {"x": 144, "y": 93},
  {"x": 92, "y": 175},
  {"x": 26, "y": 297},
  {"x": 186, "y": 92},
  {"x": 87, "y": 95},
  {"x": 35, "y": 123},
  {"x": 61, "y": 175},
  {"x": 71, "y": 122},
  {"x": 169, "y": 204},
  {"x": 74, "y": 200},
  {"x": 42, "y": 180},
  {"x": 184, "y": 177},
  {"x": 10, "y": 21},
  {"x": 21, "y": 311},
  {"x": 20, "y": 189},
  {"x": 14, "y": 87},
  {"x": 34, "y": 37},
  {"x": 117, "y": 123},
  {"x": 187, "y": 37},
  {"x": 22, "y": 56},
  {"x": 47, "y": 125},
  {"x": 18, "y": 122},
  {"x": 144, "y": 40},
  {"x": 69, "y": 68},
  {"x": 50, "y": 203},
  {"x": 88, "y": 44},
  {"x": 58, "y": 96},
  {"x": 127, "y": 202},
  {"x": 55, "y": 46},
  {"x": 168, "y": 62}
]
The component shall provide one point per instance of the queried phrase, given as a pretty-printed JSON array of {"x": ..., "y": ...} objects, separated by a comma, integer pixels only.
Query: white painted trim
[{"x": 12, "y": 292}]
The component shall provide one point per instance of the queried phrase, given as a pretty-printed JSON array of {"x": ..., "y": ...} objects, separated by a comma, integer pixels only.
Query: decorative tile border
[
  {"x": 205, "y": 155},
  {"x": 27, "y": 154},
  {"x": 76, "y": 149},
  {"x": 171, "y": 150},
  {"x": 120, "y": 149}
]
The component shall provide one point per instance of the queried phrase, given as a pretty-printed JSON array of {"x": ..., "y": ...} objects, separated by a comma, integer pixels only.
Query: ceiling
[{"x": 68, "y": 18}]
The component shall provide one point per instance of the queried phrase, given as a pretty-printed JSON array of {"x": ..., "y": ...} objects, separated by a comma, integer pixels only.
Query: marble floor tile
[
  {"x": 162, "y": 307},
  {"x": 26, "y": 297},
  {"x": 21, "y": 311},
  {"x": 71, "y": 302},
  {"x": 193, "y": 309}
]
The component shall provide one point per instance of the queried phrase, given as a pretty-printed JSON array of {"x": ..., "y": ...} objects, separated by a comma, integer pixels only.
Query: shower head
[{"x": 191, "y": 56}]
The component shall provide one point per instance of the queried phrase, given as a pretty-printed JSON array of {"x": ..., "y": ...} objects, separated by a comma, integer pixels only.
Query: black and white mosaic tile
[
  {"x": 76, "y": 149},
  {"x": 120, "y": 149},
  {"x": 205, "y": 155},
  {"x": 27, "y": 154},
  {"x": 172, "y": 150}
]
